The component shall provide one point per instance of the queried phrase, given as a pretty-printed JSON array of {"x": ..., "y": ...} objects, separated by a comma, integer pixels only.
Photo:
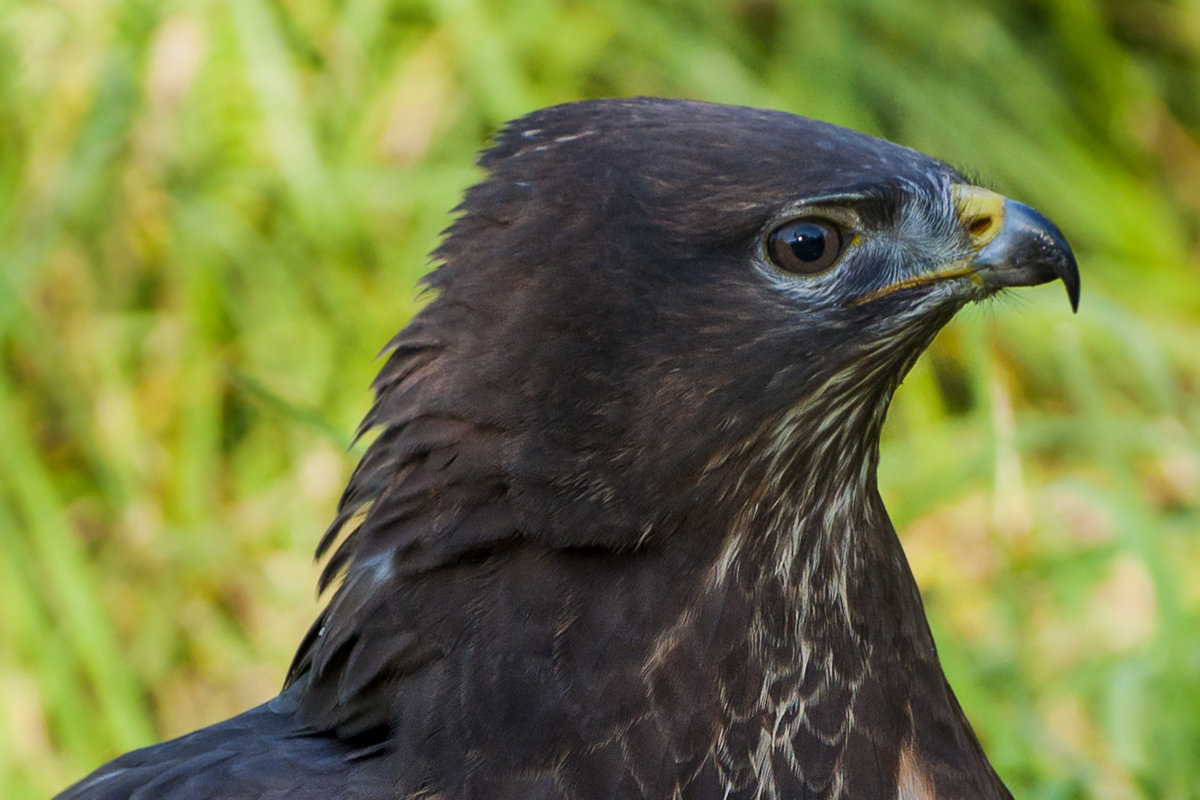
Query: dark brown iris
[{"x": 805, "y": 246}]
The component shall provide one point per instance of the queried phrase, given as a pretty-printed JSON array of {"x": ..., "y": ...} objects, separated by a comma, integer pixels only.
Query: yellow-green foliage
[{"x": 213, "y": 214}]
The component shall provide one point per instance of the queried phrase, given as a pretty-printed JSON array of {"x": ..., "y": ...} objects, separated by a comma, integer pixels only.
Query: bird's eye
[{"x": 805, "y": 246}]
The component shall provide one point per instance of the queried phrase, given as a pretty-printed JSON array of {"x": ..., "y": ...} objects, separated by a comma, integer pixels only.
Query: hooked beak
[
  {"x": 1016, "y": 245},
  {"x": 1011, "y": 245}
]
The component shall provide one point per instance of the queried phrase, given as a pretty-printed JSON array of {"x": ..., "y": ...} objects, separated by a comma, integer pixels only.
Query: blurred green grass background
[{"x": 213, "y": 215}]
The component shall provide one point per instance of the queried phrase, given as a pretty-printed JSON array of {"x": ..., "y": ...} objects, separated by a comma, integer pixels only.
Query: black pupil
[{"x": 807, "y": 242}]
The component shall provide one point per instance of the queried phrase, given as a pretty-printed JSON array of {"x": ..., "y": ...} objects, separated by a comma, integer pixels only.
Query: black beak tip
[
  {"x": 1058, "y": 253},
  {"x": 1068, "y": 272}
]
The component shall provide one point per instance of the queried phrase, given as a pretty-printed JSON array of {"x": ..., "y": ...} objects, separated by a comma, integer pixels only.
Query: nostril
[
  {"x": 980, "y": 226},
  {"x": 981, "y": 212}
]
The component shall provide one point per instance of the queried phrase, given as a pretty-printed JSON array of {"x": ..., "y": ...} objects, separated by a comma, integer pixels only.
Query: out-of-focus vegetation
[{"x": 213, "y": 215}]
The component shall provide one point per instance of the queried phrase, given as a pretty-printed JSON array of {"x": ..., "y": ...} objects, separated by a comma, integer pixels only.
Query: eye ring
[{"x": 805, "y": 246}]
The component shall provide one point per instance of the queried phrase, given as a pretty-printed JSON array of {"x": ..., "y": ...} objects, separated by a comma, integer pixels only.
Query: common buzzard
[{"x": 618, "y": 535}]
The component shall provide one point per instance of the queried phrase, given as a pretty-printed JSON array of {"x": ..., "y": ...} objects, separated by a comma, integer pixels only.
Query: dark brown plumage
[{"x": 619, "y": 534}]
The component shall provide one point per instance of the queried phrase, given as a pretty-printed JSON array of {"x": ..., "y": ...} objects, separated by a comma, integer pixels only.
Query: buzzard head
[{"x": 643, "y": 290}]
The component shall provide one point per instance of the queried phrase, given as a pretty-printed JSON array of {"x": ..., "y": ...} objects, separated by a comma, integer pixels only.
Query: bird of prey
[{"x": 619, "y": 535}]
